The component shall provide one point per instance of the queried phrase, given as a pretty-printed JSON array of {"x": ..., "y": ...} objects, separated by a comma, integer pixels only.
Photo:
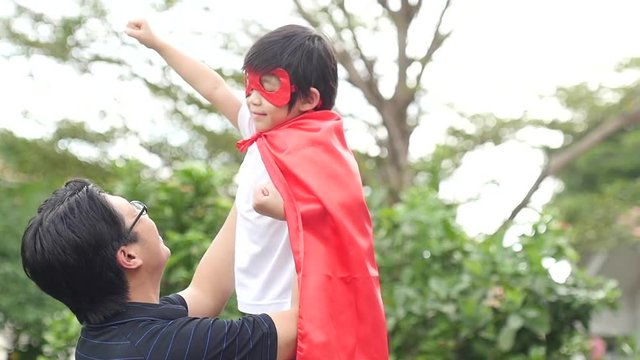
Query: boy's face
[{"x": 268, "y": 96}]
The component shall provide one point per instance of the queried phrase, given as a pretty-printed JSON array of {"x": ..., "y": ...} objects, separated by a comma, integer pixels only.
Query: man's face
[{"x": 150, "y": 247}]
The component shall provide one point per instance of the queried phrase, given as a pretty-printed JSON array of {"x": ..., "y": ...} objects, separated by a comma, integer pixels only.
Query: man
[{"x": 102, "y": 256}]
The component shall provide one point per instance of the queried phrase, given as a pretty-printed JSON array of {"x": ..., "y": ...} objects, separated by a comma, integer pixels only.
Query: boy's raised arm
[{"x": 203, "y": 79}]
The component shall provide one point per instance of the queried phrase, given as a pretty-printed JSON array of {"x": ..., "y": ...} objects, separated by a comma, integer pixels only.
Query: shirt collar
[{"x": 138, "y": 311}]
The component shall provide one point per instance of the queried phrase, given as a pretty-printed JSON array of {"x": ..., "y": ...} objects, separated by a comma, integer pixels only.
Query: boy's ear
[
  {"x": 128, "y": 258},
  {"x": 312, "y": 101}
]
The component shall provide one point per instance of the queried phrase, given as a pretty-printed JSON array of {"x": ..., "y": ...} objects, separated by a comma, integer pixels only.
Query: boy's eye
[{"x": 270, "y": 82}]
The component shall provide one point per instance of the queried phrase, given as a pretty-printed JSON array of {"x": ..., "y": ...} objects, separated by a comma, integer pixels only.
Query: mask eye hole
[{"x": 270, "y": 82}]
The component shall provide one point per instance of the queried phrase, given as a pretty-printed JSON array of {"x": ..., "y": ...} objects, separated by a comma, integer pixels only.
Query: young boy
[{"x": 294, "y": 141}]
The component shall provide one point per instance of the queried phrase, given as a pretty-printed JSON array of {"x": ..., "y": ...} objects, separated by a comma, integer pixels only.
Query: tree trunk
[{"x": 397, "y": 167}]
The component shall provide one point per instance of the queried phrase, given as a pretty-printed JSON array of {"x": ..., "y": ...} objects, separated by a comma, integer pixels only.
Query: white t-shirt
[{"x": 264, "y": 265}]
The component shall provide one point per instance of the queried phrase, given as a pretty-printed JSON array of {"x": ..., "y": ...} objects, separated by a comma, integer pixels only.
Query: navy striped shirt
[{"x": 164, "y": 331}]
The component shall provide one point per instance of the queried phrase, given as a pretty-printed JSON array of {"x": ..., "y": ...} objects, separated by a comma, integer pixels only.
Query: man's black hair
[
  {"x": 305, "y": 54},
  {"x": 69, "y": 250}
]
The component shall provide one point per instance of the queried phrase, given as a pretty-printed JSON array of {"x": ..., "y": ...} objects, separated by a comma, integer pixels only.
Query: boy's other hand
[
  {"x": 141, "y": 31},
  {"x": 268, "y": 202}
]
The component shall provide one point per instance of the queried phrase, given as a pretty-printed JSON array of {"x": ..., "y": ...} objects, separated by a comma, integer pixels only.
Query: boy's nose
[{"x": 254, "y": 98}]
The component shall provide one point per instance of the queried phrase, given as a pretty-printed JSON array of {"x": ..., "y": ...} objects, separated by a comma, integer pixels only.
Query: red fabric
[
  {"x": 278, "y": 97},
  {"x": 341, "y": 313}
]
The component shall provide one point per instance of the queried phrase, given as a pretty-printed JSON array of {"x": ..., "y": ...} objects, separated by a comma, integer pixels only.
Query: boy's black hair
[
  {"x": 305, "y": 54},
  {"x": 69, "y": 250}
]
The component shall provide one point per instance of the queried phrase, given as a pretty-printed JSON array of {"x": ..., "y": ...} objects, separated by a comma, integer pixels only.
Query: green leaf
[{"x": 508, "y": 333}]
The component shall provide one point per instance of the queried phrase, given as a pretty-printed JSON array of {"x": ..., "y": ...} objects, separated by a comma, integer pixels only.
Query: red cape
[{"x": 341, "y": 314}]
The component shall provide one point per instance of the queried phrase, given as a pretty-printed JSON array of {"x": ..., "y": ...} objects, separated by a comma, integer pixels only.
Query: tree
[
  {"x": 71, "y": 40},
  {"x": 600, "y": 197},
  {"x": 399, "y": 112},
  {"x": 600, "y": 117},
  {"x": 615, "y": 122}
]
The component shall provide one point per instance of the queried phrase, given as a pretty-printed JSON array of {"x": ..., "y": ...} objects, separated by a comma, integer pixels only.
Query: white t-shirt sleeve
[{"x": 245, "y": 125}]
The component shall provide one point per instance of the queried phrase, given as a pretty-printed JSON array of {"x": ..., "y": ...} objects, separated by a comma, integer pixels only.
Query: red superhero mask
[{"x": 275, "y": 86}]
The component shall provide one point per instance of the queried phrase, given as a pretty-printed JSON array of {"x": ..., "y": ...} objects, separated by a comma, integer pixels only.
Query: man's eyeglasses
[{"x": 143, "y": 211}]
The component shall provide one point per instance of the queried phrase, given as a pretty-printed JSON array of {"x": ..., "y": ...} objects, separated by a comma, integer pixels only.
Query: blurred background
[{"x": 498, "y": 143}]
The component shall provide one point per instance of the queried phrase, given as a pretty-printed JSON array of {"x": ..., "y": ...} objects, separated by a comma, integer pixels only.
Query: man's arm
[
  {"x": 286, "y": 323},
  {"x": 202, "y": 78},
  {"x": 213, "y": 282}
]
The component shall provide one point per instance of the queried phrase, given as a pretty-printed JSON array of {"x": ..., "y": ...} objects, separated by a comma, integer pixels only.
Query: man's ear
[
  {"x": 127, "y": 258},
  {"x": 312, "y": 101}
]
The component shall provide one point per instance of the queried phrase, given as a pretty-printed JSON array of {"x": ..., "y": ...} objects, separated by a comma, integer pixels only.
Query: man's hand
[
  {"x": 141, "y": 31},
  {"x": 268, "y": 202}
]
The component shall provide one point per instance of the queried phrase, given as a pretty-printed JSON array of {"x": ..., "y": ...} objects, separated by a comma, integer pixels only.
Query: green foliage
[
  {"x": 26, "y": 305},
  {"x": 600, "y": 219},
  {"x": 60, "y": 335},
  {"x": 71, "y": 39},
  {"x": 601, "y": 188},
  {"x": 42, "y": 161},
  {"x": 450, "y": 297},
  {"x": 63, "y": 39}
]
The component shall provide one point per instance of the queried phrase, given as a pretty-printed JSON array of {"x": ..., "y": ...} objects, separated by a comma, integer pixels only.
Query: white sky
[{"x": 503, "y": 57}]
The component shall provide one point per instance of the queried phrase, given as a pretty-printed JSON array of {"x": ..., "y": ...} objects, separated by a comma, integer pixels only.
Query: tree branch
[
  {"x": 562, "y": 159},
  {"x": 402, "y": 20},
  {"x": 367, "y": 86},
  {"x": 437, "y": 40},
  {"x": 385, "y": 5},
  {"x": 368, "y": 63},
  {"x": 305, "y": 14}
]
